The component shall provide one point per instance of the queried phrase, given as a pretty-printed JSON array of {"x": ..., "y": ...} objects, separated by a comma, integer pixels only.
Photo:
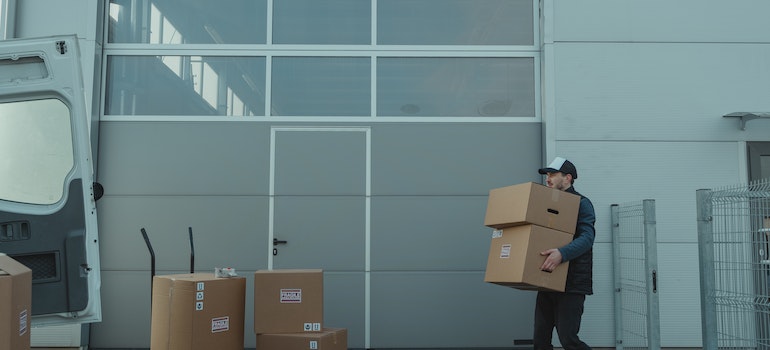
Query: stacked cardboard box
[
  {"x": 288, "y": 312},
  {"x": 528, "y": 218},
  {"x": 327, "y": 339},
  {"x": 198, "y": 311},
  {"x": 15, "y": 304}
]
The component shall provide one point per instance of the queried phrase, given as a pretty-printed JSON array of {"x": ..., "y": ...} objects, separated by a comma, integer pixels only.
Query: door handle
[{"x": 276, "y": 242}]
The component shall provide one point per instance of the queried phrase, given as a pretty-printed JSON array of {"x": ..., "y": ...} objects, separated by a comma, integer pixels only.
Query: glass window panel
[
  {"x": 455, "y": 22},
  {"x": 188, "y": 21},
  {"x": 764, "y": 166},
  {"x": 36, "y": 150},
  {"x": 321, "y": 86},
  {"x": 185, "y": 85},
  {"x": 458, "y": 87},
  {"x": 345, "y": 22}
]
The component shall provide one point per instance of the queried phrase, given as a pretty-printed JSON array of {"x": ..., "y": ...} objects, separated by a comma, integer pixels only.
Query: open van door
[{"x": 47, "y": 203}]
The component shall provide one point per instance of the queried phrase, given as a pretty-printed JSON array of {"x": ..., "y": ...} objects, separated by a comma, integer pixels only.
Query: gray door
[
  {"x": 759, "y": 160},
  {"x": 47, "y": 206},
  {"x": 319, "y": 216},
  {"x": 759, "y": 168}
]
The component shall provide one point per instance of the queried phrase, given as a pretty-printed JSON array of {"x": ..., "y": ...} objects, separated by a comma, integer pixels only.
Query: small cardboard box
[
  {"x": 288, "y": 301},
  {"x": 328, "y": 339},
  {"x": 515, "y": 260},
  {"x": 531, "y": 203},
  {"x": 197, "y": 311},
  {"x": 15, "y": 304}
]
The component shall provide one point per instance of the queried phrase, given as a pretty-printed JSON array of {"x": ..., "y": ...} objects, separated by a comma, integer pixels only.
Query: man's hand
[{"x": 553, "y": 259}]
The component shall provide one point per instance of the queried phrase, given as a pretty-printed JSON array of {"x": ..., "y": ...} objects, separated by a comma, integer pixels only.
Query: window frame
[{"x": 373, "y": 52}]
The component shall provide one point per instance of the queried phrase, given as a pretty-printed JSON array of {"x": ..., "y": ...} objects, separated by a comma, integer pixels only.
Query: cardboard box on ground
[
  {"x": 198, "y": 311},
  {"x": 288, "y": 312},
  {"x": 202, "y": 311},
  {"x": 528, "y": 219},
  {"x": 288, "y": 301},
  {"x": 15, "y": 304},
  {"x": 328, "y": 339}
]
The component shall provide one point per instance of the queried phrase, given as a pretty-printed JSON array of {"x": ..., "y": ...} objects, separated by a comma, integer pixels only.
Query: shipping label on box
[
  {"x": 291, "y": 296},
  {"x": 514, "y": 258},
  {"x": 531, "y": 203},
  {"x": 288, "y": 301}
]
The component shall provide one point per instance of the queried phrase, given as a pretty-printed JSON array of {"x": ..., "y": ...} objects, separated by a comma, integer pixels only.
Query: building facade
[{"x": 367, "y": 134}]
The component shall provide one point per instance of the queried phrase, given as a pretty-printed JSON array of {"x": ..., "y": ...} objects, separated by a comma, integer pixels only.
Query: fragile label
[
  {"x": 220, "y": 324},
  {"x": 291, "y": 296},
  {"x": 505, "y": 251},
  {"x": 497, "y": 233},
  {"x": 23, "y": 322},
  {"x": 199, "y": 286}
]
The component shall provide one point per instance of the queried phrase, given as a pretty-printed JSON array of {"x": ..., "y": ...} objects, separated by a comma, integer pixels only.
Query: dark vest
[{"x": 580, "y": 272}]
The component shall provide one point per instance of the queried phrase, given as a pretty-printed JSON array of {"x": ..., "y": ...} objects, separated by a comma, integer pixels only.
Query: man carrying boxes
[{"x": 529, "y": 218}]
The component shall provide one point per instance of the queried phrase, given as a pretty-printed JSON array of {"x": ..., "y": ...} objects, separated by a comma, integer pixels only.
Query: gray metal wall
[{"x": 427, "y": 245}]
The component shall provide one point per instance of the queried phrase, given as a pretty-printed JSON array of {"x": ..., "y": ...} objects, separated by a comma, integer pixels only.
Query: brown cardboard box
[
  {"x": 328, "y": 339},
  {"x": 531, "y": 203},
  {"x": 515, "y": 260},
  {"x": 15, "y": 304},
  {"x": 288, "y": 301},
  {"x": 197, "y": 311}
]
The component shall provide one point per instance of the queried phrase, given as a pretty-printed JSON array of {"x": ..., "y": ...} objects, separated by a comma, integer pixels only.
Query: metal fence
[
  {"x": 733, "y": 231},
  {"x": 635, "y": 257}
]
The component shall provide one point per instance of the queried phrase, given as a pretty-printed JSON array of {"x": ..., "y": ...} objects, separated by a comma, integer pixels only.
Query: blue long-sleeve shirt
[{"x": 584, "y": 232}]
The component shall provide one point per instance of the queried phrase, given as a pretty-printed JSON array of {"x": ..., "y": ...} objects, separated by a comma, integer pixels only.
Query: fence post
[
  {"x": 706, "y": 267},
  {"x": 615, "y": 217},
  {"x": 651, "y": 267}
]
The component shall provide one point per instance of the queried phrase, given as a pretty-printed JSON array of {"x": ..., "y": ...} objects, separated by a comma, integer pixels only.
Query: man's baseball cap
[{"x": 560, "y": 165}]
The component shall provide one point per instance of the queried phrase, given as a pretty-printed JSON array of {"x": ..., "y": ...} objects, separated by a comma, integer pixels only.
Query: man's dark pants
[{"x": 560, "y": 310}]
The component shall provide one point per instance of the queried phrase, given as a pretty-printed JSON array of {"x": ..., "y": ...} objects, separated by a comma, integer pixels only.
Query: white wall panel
[
  {"x": 669, "y": 172},
  {"x": 679, "y": 295},
  {"x": 662, "y": 20},
  {"x": 38, "y": 18},
  {"x": 655, "y": 91},
  {"x": 598, "y": 326},
  {"x": 638, "y": 91}
]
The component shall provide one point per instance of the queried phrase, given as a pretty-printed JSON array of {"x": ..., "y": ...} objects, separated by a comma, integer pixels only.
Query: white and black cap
[{"x": 560, "y": 165}]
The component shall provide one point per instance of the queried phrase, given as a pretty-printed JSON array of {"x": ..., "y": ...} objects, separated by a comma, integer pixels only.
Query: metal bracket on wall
[{"x": 746, "y": 116}]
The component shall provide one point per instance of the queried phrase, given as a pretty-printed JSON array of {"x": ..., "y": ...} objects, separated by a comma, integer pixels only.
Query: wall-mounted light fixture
[{"x": 746, "y": 116}]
